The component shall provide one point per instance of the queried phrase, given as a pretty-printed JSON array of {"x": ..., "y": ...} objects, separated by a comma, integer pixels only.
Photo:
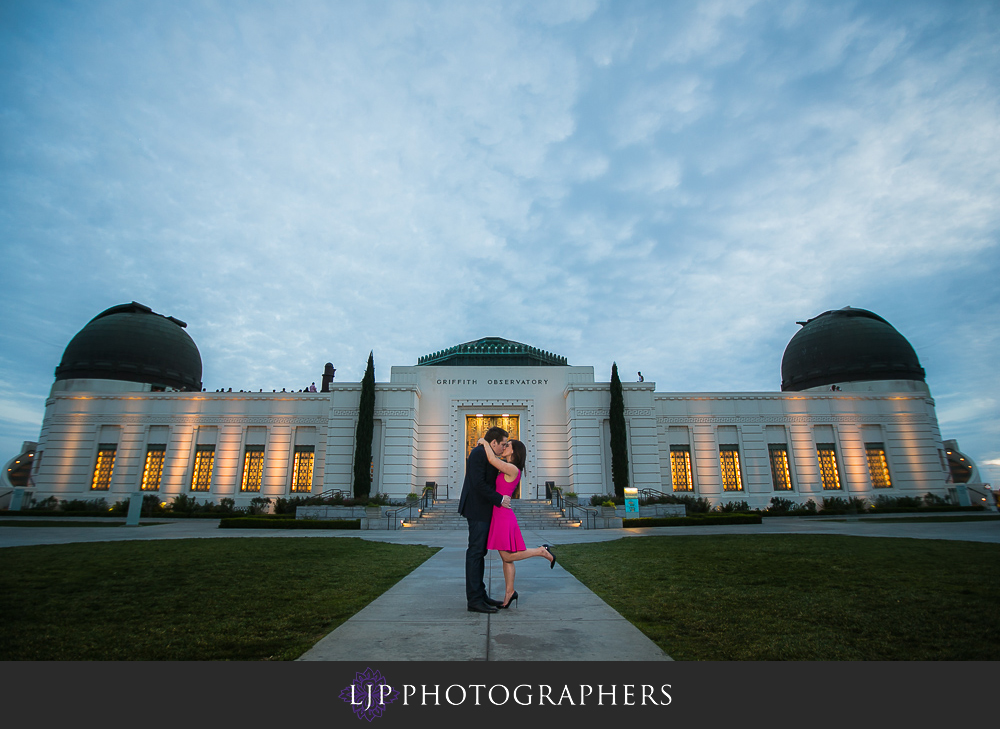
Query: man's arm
[{"x": 478, "y": 464}]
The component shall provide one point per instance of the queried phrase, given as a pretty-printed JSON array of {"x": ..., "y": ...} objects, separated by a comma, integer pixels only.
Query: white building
[{"x": 127, "y": 413}]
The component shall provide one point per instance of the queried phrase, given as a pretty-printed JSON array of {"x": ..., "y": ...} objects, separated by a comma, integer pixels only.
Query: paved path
[{"x": 424, "y": 617}]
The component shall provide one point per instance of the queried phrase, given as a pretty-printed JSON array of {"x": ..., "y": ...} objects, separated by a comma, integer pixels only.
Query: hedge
[
  {"x": 256, "y": 522},
  {"x": 693, "y": 520}
]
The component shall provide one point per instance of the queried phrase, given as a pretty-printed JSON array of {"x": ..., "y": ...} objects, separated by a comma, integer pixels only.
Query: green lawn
[
  {"x": 921, "y": 519},
  {"x": 713, "y": 597},
  {"x": 191, "y": 599},
  {"x": 800, "y": 597},
  {"x": 66, "y": 523}
]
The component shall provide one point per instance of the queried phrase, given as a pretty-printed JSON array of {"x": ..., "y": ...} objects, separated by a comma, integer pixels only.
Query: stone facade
[{"x": 421, "y": 418}]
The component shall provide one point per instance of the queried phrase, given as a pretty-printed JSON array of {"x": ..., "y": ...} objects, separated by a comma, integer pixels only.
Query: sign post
[{"x": 631, "y": 500}]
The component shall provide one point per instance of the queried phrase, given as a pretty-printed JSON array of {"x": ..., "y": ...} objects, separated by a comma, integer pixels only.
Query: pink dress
[{"x": 504, "y": 533}]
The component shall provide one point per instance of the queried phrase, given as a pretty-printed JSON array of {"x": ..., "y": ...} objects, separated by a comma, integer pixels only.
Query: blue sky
[{"x": 671, "y": 186}]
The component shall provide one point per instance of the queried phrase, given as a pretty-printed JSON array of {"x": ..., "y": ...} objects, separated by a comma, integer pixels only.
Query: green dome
[
  {"x": 847, "y": 345},
  {"x": 130, "y": 342},
  {"x": 492, "y": 352}
]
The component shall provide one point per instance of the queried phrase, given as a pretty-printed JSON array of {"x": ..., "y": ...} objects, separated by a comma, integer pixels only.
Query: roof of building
[
  {"x": 847, "y": 345},
  {"x": 133, "y": 343},
  {"x": 492, "y": 352}
]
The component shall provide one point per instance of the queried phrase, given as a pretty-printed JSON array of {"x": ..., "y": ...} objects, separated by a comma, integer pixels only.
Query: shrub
[
  {"x": 699, "y": 505},
  {"x": 600, "y": 499},
  {"x": 183, "y": 504},
  {"x": 151, "y": 504},
  {"x": 780, "y": 505},
  {"x": 120, "y": 507},
  {"x": 735, "y": 507},
  {"x": 696, "y": 520},
  {"x": 88, "y": 505},
  {"x": 250, "y": 522},
  {"x": 259, "y": 504},
  {"x": 856, "y": 503},
  {"x": 934, "y": 500},
  {"x": 284, "y": 505},
  {"x": 48, "y": 504},
  {"x": 833, "y": 505}
]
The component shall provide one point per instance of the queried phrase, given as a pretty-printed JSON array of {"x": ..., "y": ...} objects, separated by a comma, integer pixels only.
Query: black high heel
[
  {"x": 552, "y": 564},
  {"x": 513, "y": 598}
]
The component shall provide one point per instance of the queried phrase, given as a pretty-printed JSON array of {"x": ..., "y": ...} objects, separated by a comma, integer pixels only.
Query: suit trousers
[{"x": 475, "y": 562}]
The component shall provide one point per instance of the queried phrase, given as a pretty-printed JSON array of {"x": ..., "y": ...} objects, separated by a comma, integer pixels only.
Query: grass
[
  {"x": 241, "y": 599},
  {"x": 718, "y": 597},
  {"x": 922, "y": 519},
  {"x": 62, "y": 523},
  {"x": 800, "y": 597}
]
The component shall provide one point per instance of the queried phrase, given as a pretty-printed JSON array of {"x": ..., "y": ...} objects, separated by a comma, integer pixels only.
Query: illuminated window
[
  {"x": 729, "y": 458},
  {"x": 781, "y": 477},
  {"x": 104, "y": 467},
  {"x": 878, "y": 467},
  {"x": 253, "y": 468},
  {"x": 827, "y": 454},
  {"x": 680, "y": 467},
  {"x": 204, "y": 460},
  {"x": 302, "y": 468},
  {"x": 152, "y": 472}
]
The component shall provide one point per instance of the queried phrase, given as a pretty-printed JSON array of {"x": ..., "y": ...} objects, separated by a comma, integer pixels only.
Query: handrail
[
  {"x": 427, "y": 497},
  {"x": 589, "y": 513},
  {"x": 986, "y": 495},
  {"x": 392, "y": 515},
  {"x": 554, "y": 494},
  {"x": 331, "y": 492},
  {"x": 648, "y": 493}
]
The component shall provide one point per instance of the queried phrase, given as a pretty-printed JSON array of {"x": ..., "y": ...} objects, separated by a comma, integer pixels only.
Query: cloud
[{"x": 668, "y": 187}]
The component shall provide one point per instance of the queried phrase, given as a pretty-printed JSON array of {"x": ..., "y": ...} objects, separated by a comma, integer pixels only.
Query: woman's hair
[{"x": 519, "y": 455}]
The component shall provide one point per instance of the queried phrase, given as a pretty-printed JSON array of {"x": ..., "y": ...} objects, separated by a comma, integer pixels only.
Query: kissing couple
[{"x": 492, "y": 474}]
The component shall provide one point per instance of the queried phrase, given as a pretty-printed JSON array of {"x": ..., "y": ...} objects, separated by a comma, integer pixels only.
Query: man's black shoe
[
  {"x": 481, "y": 607},
  {"x": 494, "y": 603}
]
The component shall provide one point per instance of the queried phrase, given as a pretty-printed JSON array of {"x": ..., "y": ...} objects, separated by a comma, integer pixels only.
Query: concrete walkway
[{"x": 424, "y": 616}]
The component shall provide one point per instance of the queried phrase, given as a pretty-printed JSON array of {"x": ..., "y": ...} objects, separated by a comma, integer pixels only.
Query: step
[{"x": 531, "y": 514}]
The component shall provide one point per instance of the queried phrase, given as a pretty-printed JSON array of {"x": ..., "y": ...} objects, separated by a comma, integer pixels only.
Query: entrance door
[{"x": 477, "y": 425}]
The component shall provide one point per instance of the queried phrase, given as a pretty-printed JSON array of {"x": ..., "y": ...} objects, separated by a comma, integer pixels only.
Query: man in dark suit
[{"x": 479, "y": 496}]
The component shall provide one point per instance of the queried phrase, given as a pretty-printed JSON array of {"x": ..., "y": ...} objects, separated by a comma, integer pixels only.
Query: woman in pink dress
[{"x": 505, "y": 534}]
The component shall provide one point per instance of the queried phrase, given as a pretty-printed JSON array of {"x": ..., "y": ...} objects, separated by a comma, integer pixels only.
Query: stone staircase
[{"x": 531, "y": 514}]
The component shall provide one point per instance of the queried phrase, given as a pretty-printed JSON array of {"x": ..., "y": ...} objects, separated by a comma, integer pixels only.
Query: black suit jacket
[{"x": 479, "y": 492}]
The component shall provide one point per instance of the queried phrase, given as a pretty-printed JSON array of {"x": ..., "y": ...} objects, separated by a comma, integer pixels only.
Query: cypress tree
[
  {"x": 619, "y": 436},
  {"x": 365, "y": 433}
]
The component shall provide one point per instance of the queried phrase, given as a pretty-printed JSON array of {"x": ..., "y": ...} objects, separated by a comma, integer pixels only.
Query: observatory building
[{"x": 853, "y": 418}]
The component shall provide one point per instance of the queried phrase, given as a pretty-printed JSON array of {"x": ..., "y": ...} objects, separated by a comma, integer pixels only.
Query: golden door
[{"x": 477, "y": 425}]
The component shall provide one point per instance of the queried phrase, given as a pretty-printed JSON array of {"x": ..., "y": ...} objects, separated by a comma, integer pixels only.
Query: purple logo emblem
[{"x": 369, "y": 694}]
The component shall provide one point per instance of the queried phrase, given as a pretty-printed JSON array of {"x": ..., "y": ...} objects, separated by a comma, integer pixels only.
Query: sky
[{"x": 666, "y": 186}]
